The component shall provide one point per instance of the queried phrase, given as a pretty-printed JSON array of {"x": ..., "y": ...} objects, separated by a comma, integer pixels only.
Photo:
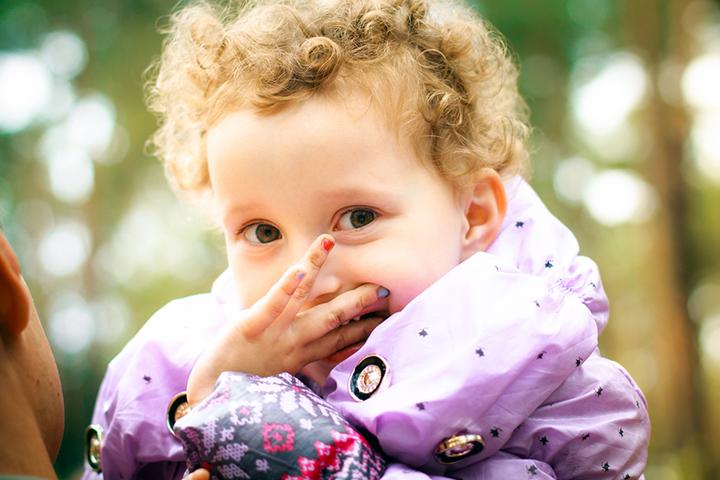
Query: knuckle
[
  {"x": 288, "y": 288},
  {"x": 275, "y": 309},
  {"x": 316, "y": 260},
  {"x": 340, "y": 340},
  {"x": 302, "y": 291},
  {"x": 334, "y": 319},
  {"x": 362, "y": 302}
]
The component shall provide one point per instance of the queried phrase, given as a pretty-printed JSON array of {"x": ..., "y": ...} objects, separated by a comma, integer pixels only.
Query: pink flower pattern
[
  {"x": 278, "y": 438},
  {"x": 242, "y": 432}
]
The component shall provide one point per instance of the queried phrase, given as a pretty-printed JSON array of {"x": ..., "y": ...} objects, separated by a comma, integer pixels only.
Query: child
[{"x": 377, "y": 142}]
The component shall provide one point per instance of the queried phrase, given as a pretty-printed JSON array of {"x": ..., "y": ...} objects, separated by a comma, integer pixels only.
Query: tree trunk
[{"x": 678, "y": 398}]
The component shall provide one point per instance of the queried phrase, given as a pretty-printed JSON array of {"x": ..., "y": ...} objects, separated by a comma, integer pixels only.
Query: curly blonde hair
[{"x": 436, "y": 68}]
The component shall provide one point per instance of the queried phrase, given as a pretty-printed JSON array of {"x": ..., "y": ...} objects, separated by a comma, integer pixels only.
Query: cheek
[
  {"x": 253, "y": 281},
  {"x": 405, "y": 289},
  {"x": 251, "y": 286},
  {"x": 408, "y": 274}
]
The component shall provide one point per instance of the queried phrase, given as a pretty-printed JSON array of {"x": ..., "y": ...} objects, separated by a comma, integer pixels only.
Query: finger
[
  {"x": 341, "y": 338},
  {"x": 274, "y": 303},
  {"x": 321, "y": 319},
  {"x": 311, "y": 263},
  {"x": 286, "y": 296}
]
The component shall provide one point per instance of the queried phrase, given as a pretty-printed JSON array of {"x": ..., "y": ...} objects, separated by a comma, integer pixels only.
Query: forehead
[
  {"x": 314, "y": 133},
  {"x": 320, "y": 147},
  {"x": 339, "y": 123}
]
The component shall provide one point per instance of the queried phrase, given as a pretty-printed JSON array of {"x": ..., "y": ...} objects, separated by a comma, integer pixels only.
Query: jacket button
[
  {"x": 177, "y": 408},
  {"x": 459, "y": 447},
  {"x": 368, "y": 376},
  {"x": 93, "y": 447}
]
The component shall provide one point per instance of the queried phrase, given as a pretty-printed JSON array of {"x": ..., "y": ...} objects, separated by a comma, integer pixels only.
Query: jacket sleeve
[
  {"x": 596, "y": 425},
  {"x": 501, "y": 466},
  {"x": 131, "y": 406},
  {"x": 609, "y": 441},
  {"x": 477, "y": 352}
]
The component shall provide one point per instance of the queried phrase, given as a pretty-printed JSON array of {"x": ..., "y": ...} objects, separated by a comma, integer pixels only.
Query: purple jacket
[{"x": 503, "y": 347}]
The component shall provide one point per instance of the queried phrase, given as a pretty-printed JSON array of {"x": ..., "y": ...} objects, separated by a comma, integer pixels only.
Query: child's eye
[
  {"x": 356, "y": 218},
  {"x": 261, "y": 233}
]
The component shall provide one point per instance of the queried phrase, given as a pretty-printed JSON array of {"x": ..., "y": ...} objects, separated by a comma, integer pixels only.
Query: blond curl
[{"x": 436, "y": 69}]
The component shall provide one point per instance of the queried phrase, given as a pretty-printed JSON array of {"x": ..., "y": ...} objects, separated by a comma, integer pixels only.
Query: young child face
[{"x": 330, "y": 166}]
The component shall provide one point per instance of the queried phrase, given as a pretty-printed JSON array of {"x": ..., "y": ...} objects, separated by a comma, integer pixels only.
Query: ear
[
  {"x": 15, "y": 298},
  {"x": 485, "y": 205}
]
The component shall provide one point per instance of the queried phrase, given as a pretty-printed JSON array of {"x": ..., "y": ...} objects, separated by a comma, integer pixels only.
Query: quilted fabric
[{"x": 273, "y": 427}]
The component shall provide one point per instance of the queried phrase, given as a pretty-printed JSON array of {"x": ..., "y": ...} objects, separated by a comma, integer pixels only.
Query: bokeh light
[
  {"x": 25, "y": 90},
  {"x": 65, "y": 248},
  {"x": 71, "y": 173},
  {"x": 615, "y": 197},
  {"x": 71, "y": 325},
  {"x": 602, "y": 103},
  {"x": 710, "y": 339},
  {"x": 64, "y": 53},
  {"x": 700, "y": 82},
  {"x": 91, "y": 123},
  {"x": 572, "y": 177}
]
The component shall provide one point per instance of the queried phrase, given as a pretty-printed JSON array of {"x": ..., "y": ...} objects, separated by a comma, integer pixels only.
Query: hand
[{"x": 275, "y": 336}]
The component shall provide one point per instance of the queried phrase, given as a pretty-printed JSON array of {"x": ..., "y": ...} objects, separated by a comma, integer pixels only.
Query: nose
[
  {"x": 328, "y": 283},
  {"x": 329, "y": 280}
]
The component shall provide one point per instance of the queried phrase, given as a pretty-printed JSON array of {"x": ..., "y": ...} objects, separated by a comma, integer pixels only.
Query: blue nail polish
[
  {"x": 300, "y": 275},
  {"x": 383, "y": 292}
]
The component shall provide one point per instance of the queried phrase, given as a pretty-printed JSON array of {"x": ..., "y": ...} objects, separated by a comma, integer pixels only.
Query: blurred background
[{"x": 625, "y": 100}]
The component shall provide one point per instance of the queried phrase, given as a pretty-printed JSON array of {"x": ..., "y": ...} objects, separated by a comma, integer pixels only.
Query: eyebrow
[{"x": 363, "y": 194}]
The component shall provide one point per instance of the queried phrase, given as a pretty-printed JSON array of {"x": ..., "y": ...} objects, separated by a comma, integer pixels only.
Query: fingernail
[
  {"x": 383, "y": 292},
  {"x": 300, "y": 275},
  {"x": 327, "y": 244}
]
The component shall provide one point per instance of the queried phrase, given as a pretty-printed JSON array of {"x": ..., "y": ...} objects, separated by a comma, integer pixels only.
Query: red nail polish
[{"x": 327, "y": 244}]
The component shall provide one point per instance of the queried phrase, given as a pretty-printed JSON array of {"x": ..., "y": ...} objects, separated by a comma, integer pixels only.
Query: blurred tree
[{"x": 659, "y": 31}]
